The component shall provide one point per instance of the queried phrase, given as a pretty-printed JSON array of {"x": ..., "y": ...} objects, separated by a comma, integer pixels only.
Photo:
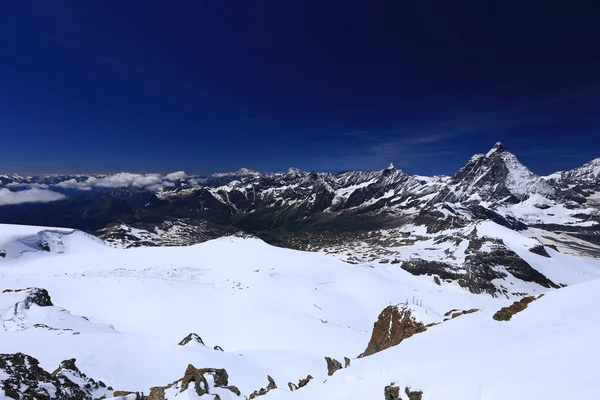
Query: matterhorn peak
[
  {"x": 498, "y": 148},
  {"x": 294, "y": 171}
]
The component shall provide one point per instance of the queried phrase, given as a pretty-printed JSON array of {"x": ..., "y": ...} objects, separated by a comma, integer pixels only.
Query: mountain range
[{"x": 361, "y": 216}]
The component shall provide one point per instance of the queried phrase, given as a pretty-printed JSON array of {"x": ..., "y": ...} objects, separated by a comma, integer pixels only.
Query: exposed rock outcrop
[
  {"x": 413, "y": 394},
  {"x": 34, "y": 295},
  {"x": 332, "y": 365},
  {"x": 218, "y": 348},
  {"x": 394, "y": 324},
  {"x": 301, "y": 383},
  {"x": 457, "y": 313},
  {"x": 346, "y": 362},
  {"x": 506, "y": 313},
  {"x": 24, "y": 379},
  {"x": 191, "y": 338},
  {"x": 196, "y": 379},
  {"x": 392, "y": 392},
  {"x": 262, "y": 391}
]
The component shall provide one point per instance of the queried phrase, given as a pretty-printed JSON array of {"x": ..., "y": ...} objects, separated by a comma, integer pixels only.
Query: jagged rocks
[
  {"x": 457, "y": 313},
  {"x": 413, "y": 394},
  {"x": 346, "y": 362},
  {"x": 195, "y": 379},
  {"x": 301, "y": 383},
  {"x": 191, "y": 338},
  {"x": 394, "y": 324},
  {"x": 23, "y": 379},
  {"x": 34, "y": 295},
  {"x": 392, "y": 392},
  {"x": 218, "y": 348},
  {"x": 540, "y": 251},
  {"x": 262, "y": 391},
  {"x": 506, "y": 313},
  {"x": 332, "y": 365},
  {"x": 3, "y": 253}
]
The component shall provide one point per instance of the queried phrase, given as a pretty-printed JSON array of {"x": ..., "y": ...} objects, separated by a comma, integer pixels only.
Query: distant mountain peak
[
  {"x": 391, "y": 166},
  {"x": 294, "y": 171},
  {"x": 498, "y": 148}
]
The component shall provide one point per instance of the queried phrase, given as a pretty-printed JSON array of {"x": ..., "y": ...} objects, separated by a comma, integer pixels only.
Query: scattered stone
[
  {"x": 301, "y": 383},
  {"x": 332, "y": 365},
  {"x": 262, "y": 391},
  {"x": 191, "y": 338},
  {"x": 346, "y": 362},
  {"x": 394, "y": 324},
  {"x": 506, "y": 313}
]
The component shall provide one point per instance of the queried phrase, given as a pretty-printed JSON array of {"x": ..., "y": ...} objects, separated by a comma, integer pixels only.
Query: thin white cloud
[
  {"x": 73, "y": 184},
  {"x": 33, "y": 195},
  {"x": 175, "y": 176},
  {"x": 27, "y": 185},
  {"x": 126, "y": 179}
]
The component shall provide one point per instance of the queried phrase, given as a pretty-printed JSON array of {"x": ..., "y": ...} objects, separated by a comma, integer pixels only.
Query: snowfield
[{"x": 122, "y": 312}]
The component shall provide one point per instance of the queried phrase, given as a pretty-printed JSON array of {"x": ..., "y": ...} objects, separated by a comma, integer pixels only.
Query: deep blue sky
[{"x": 205, "y": 86}]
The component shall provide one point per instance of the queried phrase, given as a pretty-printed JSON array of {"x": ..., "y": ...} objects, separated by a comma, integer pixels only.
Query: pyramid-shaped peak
[
  {"x": 498, "y": 148},
  {"x": 391, "y": 166}
]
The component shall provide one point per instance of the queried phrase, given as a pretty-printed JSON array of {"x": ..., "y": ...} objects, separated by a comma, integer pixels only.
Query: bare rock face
[
  {"x": 191, "y": 338},
  {"x": 36, "y": 296},
  {"x": 195, "y": 379},
  {"x": 24, "y": 379},
  {"x": 346, "y": 362},
  {"x": 218, "y": 348},
  {"x": 413, "y": 394},
  {"x": 392, "y": 392},
  {"x": 332, "y": 365},
  {"x": 394, "y": 324},
  {"x": 457, "y": 313},
  {"x": 301, "y": 383},
  {"x": 506, "y": 313},
  {"x": 262, "y": 391}
]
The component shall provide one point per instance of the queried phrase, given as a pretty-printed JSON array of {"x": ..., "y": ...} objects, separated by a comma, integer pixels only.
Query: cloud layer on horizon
[
  {"x": 125, "y": 179},
  {"x": 32, "y": 195}
]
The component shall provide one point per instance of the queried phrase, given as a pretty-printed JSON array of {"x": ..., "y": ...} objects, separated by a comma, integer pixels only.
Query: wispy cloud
[
  {"x": 125, "y": 179},
  {"x": 33, "y": 195}
]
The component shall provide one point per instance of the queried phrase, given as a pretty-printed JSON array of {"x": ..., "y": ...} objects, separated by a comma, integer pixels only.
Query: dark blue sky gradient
[{"x": 205, "y": 86}]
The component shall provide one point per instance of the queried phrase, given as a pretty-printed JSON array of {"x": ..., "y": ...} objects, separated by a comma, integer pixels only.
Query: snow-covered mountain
[
  {"x": 377, "y": 216},
  {"x": 264, "y": 321}
]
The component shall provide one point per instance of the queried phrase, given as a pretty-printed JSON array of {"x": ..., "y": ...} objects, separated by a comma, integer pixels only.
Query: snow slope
[
  {"x": 547, "y": 351},
  {"x": 279, "y": 312}
]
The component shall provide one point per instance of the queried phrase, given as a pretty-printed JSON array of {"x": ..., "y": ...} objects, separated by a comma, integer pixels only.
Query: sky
[{"x": 207, "y": 86}]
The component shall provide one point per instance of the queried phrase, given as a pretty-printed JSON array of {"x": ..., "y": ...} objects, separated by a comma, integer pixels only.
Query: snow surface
[{"x": 279, "y": 312}]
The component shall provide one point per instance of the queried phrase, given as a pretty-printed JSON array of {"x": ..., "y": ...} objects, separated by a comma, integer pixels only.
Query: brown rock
[
  {"x": 196, "y": 377},
  {"x": 262, "y": 391},
  {"x": 332, "y": 365},
  {"x": 506, "y": 313},
  {"x": 413, "y": 395},
  {"x": 346, "y": 362},
  {"x": 394, "y": 324},
  {"x": 392, "y": 392}
]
